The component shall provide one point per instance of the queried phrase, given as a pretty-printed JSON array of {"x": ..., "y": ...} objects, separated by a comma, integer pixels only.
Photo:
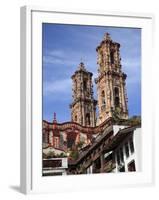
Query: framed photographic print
[{"x": 86, "y": 100}]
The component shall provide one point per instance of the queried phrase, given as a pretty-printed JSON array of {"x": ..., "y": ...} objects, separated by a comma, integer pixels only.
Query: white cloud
[
  {"x": 70, "y": 58},
  {"x": 130, "y": 63},
  {"x": 131, "y": 67},
  {"x": 51, "y": 60},
  {"x": 56, "y": 53},
  {"x": 58, "y": 87},
  {"x": 61, "y": 61}
]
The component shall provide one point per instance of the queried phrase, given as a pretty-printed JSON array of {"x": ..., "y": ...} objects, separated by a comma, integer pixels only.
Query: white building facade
[{"x": 127, "y": 154}]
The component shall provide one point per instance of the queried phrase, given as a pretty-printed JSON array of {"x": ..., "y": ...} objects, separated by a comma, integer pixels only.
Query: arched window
[
  {"x": 75, "y": 118},
  {"x": 116, "y": 98},
  {"x": 103, "y": 97},
  {"x": 71, "y": 138},
  {"x": 88, "y": 122},
  {"x": 116, "y": 91},
  {"x": 85, "y": 84},
  {"x": 112, "y": 57},
  {"x": 75, "y": 84},
  {"x": 117, "y": 101},
  {"x": 103, "y": 100}
]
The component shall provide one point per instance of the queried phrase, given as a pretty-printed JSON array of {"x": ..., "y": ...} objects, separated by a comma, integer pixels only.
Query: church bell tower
[
  {"x": 83, "y": 108},
  {"x": 111, "y": 89}
]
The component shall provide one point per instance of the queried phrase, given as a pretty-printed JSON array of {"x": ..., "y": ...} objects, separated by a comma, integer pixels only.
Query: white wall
[
  {"x": 136, "y": 155},
  {"x": 138, "y": 134},
  {"x": 116, "y": 129},
  {"x": 9, "y": 90}
]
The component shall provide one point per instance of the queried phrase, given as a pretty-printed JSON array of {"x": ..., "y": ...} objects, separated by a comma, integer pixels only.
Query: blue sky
[{"x": 63, "y": 48}]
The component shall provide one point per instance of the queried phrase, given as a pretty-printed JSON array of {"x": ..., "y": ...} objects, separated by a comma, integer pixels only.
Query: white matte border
[{"x": 37, "y": 183}]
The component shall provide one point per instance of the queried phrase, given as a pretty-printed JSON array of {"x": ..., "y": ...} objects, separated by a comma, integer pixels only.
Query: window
[
  {"x": 117, "y": 101},
  {"x": 112, "y": 57},
  {"x": 116, "y": 91},
  {"x": 127, "y": 149},
  {"x": 75, "y": 118},
  {"x": 71, "y": 139},
  {"x": 103, "y": 100},
  {"x": 131, "y": 145},
  {"x": 131, "y": 166},
  {"x": 122, "y": 169},
  {"x": 88, "y": 119},
  {"x": 118, "y": 158},
  {"x": 116, "y": 94},
  {"x": 103, "y": 97},
  {"x": 75, "y": 85},
  {"x": 84, "y": 84}
]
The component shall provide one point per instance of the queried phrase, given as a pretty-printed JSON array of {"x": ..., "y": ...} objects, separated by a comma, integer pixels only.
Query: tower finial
[
  {"x": 54, "y": 121},
  {"x": 107, "y": 36},
  {"x": 81, "y": 66}
]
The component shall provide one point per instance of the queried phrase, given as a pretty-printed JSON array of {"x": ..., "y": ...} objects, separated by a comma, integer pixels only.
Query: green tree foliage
[
  {"x": 134, "y": 121},
  {"x": 74, "y": 154},
  {"x": 80, "y": 144},
  {"x": 52, "y": 154}
]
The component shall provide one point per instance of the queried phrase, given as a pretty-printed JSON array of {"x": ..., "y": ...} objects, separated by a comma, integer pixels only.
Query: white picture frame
[{"x": 31, "y": 100}]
